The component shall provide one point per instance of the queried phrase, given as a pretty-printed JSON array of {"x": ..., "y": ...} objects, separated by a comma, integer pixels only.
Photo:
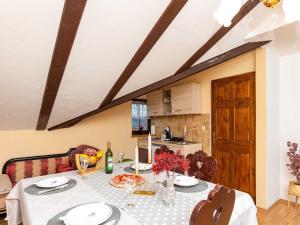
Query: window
[{"x": 139, "y": 115}]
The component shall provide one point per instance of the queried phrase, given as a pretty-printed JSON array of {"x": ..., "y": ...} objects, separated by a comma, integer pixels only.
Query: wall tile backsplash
[{"x": 194, "y": 124}]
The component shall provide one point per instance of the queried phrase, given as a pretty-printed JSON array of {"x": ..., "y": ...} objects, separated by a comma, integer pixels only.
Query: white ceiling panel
[
  {"x": 190, "y": 29},
  {"x": 27, "y": 38},
  {"x": 108, "y": 36}
]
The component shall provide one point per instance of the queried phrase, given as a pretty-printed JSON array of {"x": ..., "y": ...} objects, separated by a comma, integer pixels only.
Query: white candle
[
  {"x": 136, "y": 153},
  {"x": 149, "y": 149}
]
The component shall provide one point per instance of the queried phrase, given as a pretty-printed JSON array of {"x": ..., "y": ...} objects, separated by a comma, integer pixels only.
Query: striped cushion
[{"x": 32, "y": 168}]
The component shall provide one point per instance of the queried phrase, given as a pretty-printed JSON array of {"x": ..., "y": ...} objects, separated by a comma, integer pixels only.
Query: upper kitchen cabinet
[
  {"x": 185, "y": 99},
  {"x": 180, "y": 100},
  {"x": 155, "y": 103}
]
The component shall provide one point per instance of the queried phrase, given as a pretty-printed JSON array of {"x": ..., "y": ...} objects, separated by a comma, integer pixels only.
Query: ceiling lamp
[
  {"x": 227, "y": 10},
  {"x": 270, "y": 3},
  {"x": 291, "y": 10}
]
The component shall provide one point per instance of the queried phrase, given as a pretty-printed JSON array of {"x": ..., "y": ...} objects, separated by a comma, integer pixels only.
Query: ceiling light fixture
[
  {"x": 270, "y": 3},
  {"x": 226, "y": 11},
  {"x": 229, "y": 8}
]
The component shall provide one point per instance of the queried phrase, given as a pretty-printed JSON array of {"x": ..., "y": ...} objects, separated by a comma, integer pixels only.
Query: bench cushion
[{"x": 38, "y": 167}]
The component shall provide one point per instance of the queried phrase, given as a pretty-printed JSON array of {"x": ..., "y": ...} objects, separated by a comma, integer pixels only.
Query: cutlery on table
[{"x": 53, "y": 189}]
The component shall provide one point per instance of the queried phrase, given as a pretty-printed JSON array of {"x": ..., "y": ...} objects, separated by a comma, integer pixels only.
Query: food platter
[{"x": 119, "y": 180}]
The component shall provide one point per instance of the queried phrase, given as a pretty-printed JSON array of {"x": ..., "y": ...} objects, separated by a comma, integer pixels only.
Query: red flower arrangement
[
  {"x": 294, "y": 158},
  {"x": 167, "y": 161}
]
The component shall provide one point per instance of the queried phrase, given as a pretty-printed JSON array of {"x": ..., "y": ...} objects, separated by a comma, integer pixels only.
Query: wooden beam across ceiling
[
  {"x": 245, "y": 9},
  {"x": 159, "y": 28},
  {"x": 69, "y": 23},
  {"x": 168, "y": 80}
]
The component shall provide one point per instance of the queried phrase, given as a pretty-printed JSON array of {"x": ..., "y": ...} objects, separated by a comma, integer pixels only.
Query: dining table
[{"x": 25, "y": 205}]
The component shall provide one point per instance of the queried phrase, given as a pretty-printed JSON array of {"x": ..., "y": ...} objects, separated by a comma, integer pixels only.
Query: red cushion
[{"x": 64, "y": 168}]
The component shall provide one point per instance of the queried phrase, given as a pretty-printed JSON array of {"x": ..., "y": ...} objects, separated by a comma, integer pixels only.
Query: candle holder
[{"x": 147, "y": 188}]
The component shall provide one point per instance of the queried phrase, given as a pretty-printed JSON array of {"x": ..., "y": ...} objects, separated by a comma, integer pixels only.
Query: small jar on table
[{"x": 294, "y": 189}]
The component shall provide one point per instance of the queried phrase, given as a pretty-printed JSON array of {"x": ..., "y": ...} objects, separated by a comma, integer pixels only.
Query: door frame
[{"x": 213, "y": 150}]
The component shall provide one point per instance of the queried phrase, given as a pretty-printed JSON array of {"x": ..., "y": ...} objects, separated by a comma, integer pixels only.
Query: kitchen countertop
[{"x": 165, "y": 142}]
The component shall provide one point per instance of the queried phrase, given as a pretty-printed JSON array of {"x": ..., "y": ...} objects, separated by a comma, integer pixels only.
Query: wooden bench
[{"x": 25, "y": 167}]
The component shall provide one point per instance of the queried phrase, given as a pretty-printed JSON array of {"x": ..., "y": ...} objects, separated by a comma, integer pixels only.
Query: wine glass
[
  {"x": 129, "y": 188},
  {"x": 120, "y": 157},
  {"x": 84, "y": 163}
]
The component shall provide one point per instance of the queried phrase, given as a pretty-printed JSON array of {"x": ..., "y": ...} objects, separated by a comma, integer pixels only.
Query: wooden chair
[
  {"x": 202, "y": 166},
  {"x": 216, "y": 210}
]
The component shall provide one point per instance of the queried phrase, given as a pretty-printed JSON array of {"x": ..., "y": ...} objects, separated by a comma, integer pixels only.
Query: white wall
[
  {"x": 273, "y": 126},
  {"x": 283, "y": 108},
  {"x": 289, "y": 112}
]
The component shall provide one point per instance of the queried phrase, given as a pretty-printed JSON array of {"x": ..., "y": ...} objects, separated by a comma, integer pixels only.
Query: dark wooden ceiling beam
[
  {"x": 169, "y": 80},
  {"x": 245, "y": 9},
  {"x": 70, "y": 20},
  {"x": 159, "y": 28}
]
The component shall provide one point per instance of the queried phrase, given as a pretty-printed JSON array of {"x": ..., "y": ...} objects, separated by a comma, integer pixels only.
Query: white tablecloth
[{"x": 37, "y": 210}]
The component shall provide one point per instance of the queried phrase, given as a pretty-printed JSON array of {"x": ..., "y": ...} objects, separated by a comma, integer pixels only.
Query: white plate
[
  {"x": 186, "y": 181},
  {"x": 142, "y": 166},
  {"x": 52, "y": 182},
  {"x": 88, "y": 214}
]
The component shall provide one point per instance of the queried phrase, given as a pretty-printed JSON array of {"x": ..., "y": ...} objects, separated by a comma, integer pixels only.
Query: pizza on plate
[{"x": 119, "y": 180}]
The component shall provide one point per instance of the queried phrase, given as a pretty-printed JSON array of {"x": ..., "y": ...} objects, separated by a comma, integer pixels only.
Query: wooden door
[{"x": 233, "y": 131}]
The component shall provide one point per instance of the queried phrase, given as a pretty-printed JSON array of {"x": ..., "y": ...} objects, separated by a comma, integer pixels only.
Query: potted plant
[{"x": 294, "y": 157}]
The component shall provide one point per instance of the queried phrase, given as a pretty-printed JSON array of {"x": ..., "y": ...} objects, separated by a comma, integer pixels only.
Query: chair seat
[{"x": 5, "y": 187}]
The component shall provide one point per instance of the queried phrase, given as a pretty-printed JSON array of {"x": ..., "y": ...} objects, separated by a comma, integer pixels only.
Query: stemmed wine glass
[
  {"x": 129, "y": 188},
  {"x": 120, "y": 159},
  {"x": 84, "y": 162}
]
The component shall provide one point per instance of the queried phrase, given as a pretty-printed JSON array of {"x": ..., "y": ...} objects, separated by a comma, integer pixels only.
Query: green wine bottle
[{"x": 108, "y": 159}]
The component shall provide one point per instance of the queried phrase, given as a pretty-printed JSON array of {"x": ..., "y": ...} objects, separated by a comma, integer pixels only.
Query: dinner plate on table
[
  {"x": 142, "y": 166},
  {"x": 52, "y": 182},
  {"x": 185, "y": 181},
  {"x": 88, "y": 214}
]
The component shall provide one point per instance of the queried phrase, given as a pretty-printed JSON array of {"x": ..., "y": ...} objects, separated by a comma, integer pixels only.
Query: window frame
[{"x": 140, "y": 132}]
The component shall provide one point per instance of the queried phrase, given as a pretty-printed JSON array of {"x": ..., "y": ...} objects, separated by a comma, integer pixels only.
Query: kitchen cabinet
[
  {"x": 180, "y": 100},
  {"x": 155, "y": 103},
  {"x": 185, "y": 99}
]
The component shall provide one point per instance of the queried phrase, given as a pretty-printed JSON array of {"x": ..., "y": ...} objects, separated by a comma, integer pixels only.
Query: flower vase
[{"x": 169, "y": 194}]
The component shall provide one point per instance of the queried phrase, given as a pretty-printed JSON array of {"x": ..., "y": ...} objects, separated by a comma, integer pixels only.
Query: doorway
[{"x": 233, "y": 131}]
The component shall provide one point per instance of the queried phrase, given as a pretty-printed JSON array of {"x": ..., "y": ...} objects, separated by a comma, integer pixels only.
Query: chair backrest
[
  {"x": 202, "y": 166},
  {"x": 216, "y": 210}
]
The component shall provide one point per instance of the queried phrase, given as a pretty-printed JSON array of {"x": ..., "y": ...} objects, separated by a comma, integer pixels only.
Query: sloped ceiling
[{"x": 109, "y": 34}]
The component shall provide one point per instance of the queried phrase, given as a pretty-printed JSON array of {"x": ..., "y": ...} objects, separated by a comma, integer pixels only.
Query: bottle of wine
[{"x": 108, "y": 159}]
